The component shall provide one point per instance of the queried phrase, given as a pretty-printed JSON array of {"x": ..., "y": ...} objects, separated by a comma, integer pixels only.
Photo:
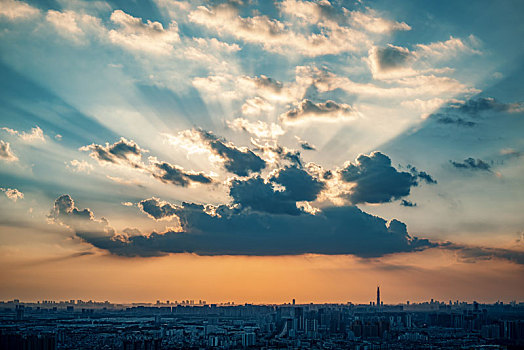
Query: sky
[{"x": 259, "y": 151}]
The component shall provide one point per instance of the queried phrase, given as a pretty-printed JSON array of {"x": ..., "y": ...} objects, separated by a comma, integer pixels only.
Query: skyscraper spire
[{"x": 378, "y": 296}]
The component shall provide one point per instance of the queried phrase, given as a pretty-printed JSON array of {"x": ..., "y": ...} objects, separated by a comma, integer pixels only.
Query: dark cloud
[
  {"x": 442, "y": 118},
  {"x": 472, "y": 164},
  {"x": 391, "y": 57},
  {"x": 477, "y": 105},
  {"x": 176, "y": 175},
  {"x": 241, "y": 162},
  {"x": 229, "y": 230},
  {"x": 305, "y": 145},
  {"x": 123, "y": 151},
  {"x": 6, "y": 153},
  {"x": 267, "y": 83},
  {"x": 465, "y": 113},
  {"x": 475, "y": 253},
  {"x": 422, "y": 175},
  {"x": 377, "y": 181},
  {"x": 299, "y": 184},
  {"x": 128, "y": 153},
  {"x": 282, "y": 153},
  {"x": 307, "y": 109},
  {"x": 157, "y": 209},
  {"x": 232, "y": 231},
  {"x": 96, "y": 232},
  {"x": 261, "y": 196},
  {"x": 265, "y": 196},
  {"x": 406, "y": 203}
]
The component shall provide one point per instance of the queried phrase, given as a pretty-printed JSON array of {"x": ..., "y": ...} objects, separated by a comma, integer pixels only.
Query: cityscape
[{"x": 192, "y": 324}]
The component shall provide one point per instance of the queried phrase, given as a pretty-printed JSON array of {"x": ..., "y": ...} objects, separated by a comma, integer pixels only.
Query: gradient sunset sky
[{"x": 259, "y": 151}]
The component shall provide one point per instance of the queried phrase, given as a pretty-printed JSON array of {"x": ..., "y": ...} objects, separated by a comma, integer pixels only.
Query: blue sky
[{"x": 253, "y": 128}]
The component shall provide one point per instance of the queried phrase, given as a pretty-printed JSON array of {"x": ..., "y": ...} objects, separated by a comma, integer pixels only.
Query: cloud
[
  {"x": 389, "y": 58},
  {"x": 274, "y": 153},
  {"x": 259, "y": 129},
  {"x": 443, "y": 118},
  {"x": 73, "y": 25},
  {"x": 376, "y": 181},
  {"x": 121, "y": 152},
  {"x": 406, "y": 203},
  {"x": 472, "y": 164},
  {"x": 176, "y": 175},
  {"x": 135, "y": 35},
  {"x": 279, "y": 194},
  {"x": 78, "y": 166},
  {"x": 255, "y": 106},
  {"x": 476, "y": 106},
  {"x": 277, "y": 36},
  {"x": 6, "y": 153},
  {"x": 474, "y": 253},
  {"x": 305, "y": 145},
  {"x": 466, "y": 113},
  {"x": 12, "y": 193},
  {"x": 325, "y": 111},
  {"x": 17, "y": 10},
  {"x": 230, "y": 231},
  {"x": 448, "y": 48},
  {"x": 157, "y": 209},
  {"x": 36, "y": 134},
  {"x": 239, "y": 161},
  {"x": 128, "y": 153}
]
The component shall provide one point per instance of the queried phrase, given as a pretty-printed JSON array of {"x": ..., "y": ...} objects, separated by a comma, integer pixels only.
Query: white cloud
[
  {"x": 6, "y": 153},
  {"x": 75, "y": 26},
  {"x": 259, "y": 129},
  {"x": 17, "y": 10},
  {"x": 36, "y": 134},
  {"x": 322, "y": 111},
  {"x": 276, "y": 36},
  {"x": 135, "y": 35},
  {"x": 12, "y": 193},
  {"x": 79, "y": 166},
  {"x": 256, "y": 105}
]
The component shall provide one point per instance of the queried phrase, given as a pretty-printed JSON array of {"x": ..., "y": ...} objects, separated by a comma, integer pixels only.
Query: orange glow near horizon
[{"x": 241, "y": 279}]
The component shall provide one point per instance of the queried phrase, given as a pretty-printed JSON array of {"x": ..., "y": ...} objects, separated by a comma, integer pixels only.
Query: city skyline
[{"x": 262, "y": 151}]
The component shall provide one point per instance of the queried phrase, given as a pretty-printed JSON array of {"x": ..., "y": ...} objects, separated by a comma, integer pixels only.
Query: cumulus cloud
[
  {"x": 423, "y": 84},
  {"x": 237, "y": 160},
  {"x": 305, "y": 145},
  {"x": 74, "y": 26},
  {"x": 128, "y": 153},
  {"x": 476, "y": 106},
  {"x": 17, "y": 10},
  {"x": 406, "y": 203},
  {"x": 176, "y": 175},
  {"x": 326, "y": 111},
  {"x": 376, "y": 181},
  {"x": 466, "y": 113},
  {"x": 279, "y": 194},
  {"x": 389, "y": 58},
  {"x": 6, "y": 153},
  {"x": 36, "y": 134},
  {"x": 472, "y": 164},
  {"x": 157, "y": 209},
  {"x": 259, "y": 129},
  {"x": 277, "y": 36},
  {"x": 121, "y": 152},
  {"x": 79, "y": 166},
  {"x": 230, "y": 231},
  {"x": 135, "y": 35},
  {"x": 255, "y": 106},
  {"x": 12, "y": 193}
]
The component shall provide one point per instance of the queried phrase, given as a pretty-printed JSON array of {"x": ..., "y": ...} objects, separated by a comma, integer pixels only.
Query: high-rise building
[{"x": 378, "y": 296}]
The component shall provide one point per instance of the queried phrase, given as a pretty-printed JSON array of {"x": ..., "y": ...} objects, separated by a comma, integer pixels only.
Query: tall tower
[{"x": 378, "y": 296}]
